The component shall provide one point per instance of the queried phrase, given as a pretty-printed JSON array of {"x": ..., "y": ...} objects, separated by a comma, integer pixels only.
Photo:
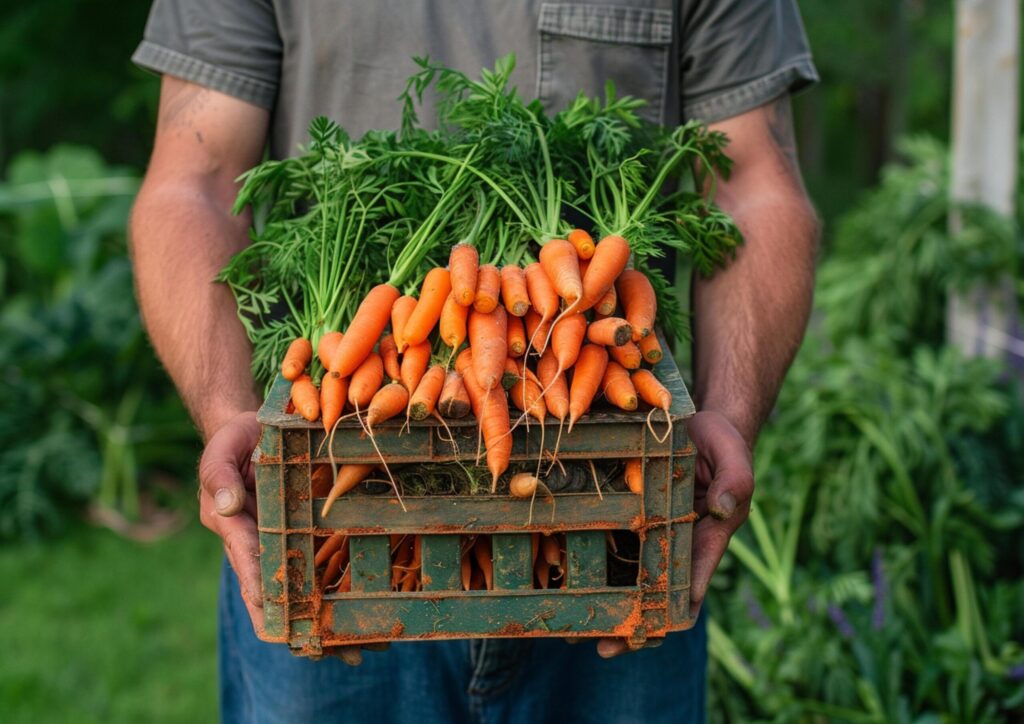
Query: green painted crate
[{"x": 296, "y": 612}]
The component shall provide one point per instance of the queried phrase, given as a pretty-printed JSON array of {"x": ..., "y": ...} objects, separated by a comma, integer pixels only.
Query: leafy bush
[
  {"x": 881, "y": 575},
  {"x": 84, "y": 407}
]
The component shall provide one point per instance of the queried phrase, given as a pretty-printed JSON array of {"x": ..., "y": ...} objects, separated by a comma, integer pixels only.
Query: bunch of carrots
[
  {"x": 549, "y": 338},
  {"x": 476, "y": 570}
]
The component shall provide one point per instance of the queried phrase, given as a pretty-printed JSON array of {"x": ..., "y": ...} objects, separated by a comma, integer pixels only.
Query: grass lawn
[{"x": 95, "y": 628}]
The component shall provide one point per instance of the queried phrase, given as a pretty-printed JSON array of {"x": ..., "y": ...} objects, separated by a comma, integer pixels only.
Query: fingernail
[
  {"x": 726, "y": 506},
  {"x": 605, "y": 649},
  {"x": 224, "y": 500}
]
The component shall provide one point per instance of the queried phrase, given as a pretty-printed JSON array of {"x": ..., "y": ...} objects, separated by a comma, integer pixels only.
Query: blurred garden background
[{"x": 881, "y": 576}]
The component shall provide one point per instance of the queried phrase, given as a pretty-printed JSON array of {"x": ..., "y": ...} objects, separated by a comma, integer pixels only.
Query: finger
[
  {"x": 351, "y": 655},
  {"x": 710, "y": 539},
  {"x": 609, "y": 648},
  {"x": 241, "y": 545},
  {"x": 380, "y": 646},
  {"x": 224, "y": 460},
  {"x": 730, "y": 491}
]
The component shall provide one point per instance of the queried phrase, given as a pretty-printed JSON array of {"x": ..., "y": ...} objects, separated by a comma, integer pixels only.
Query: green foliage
[
  {"x": 102, "y": 630},
  {"x": 84, "y": 407},
  {"x": 346, "y": 215},
  {"x": 879, "y": 574}
]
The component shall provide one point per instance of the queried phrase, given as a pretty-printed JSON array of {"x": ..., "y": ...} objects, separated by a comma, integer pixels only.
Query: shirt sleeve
[
  {"x": 739, "y": 54},
  {"x": 231, "y": 46}
]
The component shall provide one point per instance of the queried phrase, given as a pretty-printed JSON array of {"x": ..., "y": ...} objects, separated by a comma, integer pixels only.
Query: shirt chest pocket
[{"x": 584, "y": 45}]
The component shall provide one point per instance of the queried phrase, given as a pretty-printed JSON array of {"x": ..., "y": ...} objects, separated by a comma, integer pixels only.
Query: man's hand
[
  {"x": 724, "y": 477},
  {"x": 227, "y": 505},
  {"x": 749, "y": 319},
  {"x": 724, "y": 486}
]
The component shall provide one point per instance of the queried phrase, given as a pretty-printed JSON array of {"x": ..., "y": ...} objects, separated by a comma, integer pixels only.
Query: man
[{"x": 239, "y": 75}]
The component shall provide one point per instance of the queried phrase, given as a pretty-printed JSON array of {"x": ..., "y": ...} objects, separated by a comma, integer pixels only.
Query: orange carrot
[
  {"x": 610, "y": 331},
  {"x": 332, "y": 570},
  {"x": 537, "y": 330},
  {"x": 610, "y": 257},
  {"x": 550, "y": 551},
  {"x": 326, "y": 346},
  {"x": 388, "y": 349},
  {"x": 414, "y": 363},
  {"x": 424, "y": 399},
  {"x": 523, "y": 485},
  {"x": 366, "y": 380},
  {"x": 453, "y": 323},
  {"x": 296, "y": 359},
  {"x": 345, "y": 585},
  {"x": 333, "y": 393},
  {"x": 388, "y": 401},
  {"x": 491, "y": 410},
  {"x": 543, "y": 297},
  {"x": 543, "y": 572},
  {"x": 466, "y": 568},
  {"x": 654, "y": 394},
  {"x": 650, "y": 349},
  {"x": 606, "y": 304},
  {"x": 525, "y": 394},
  {"x": 401, "y": 310},
  {"x": 561, "y": 264},
  {"x": 566, "y": 338},
  {"x": 349, "y": 476},
  {"x": 482, "y": 554},
  {"x": 635, "y": 475},
  {"x": 638, "y": 300},
  {"x": 320, "y": 480},
  {"x": 553, "y": 380},
  {"x": 513, "y": 290},
  {"x": 516, "y": 337},
  {"x": 586, "y": 378},
  {"x": 628, "y": 355},
  {"x": 331, "y": 546},
  {"x": 583, "y": 243},
  {"x": 511, "y": 374},
  {"x": 488, "y": 288},
  {"x": 651, "y": 390},
  {"x": 488, "y": 338},
  {"x": 464, "y": 360},
  {"x": 306, "y": 398},
  {"x": 370, "y": 319},
  {"x": 436, "y": 288},
  {"x": 462, "y": 265},
  {"x": 454, "y": 399},
  {"x": 618, "y": 389},
  {"x": 584, "y": 265}
]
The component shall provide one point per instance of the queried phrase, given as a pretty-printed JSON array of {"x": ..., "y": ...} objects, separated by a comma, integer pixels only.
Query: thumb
[{"x": 225, "y": 457}]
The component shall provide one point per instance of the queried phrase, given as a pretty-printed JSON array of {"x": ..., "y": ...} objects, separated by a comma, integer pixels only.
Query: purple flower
[
  {"x": 1016, "y": 673},
  {"x": 881, "y": 585},
  {"x": 754, "y": 610},
  {"x": 842, "y": 623}
]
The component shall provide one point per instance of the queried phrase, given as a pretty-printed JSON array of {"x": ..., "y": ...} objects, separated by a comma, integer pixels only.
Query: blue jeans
[{"x": 485, "y": 680}]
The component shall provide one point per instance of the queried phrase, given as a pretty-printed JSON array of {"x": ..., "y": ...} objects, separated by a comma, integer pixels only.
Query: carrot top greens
[{"x": 499, "y": 173}]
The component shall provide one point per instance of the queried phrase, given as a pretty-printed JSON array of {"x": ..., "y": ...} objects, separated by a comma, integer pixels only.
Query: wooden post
[{"x": 983, "y": 321}]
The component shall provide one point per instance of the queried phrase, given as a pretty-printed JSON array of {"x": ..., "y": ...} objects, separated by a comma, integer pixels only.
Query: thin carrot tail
[
  {"x": 668, "y": 418},
  {"x": 373, "y": 441},
  {"x": 597, "y": 484},
  {"x": 540, "y": 454},
  {"x": 558, "y": 441},
  {"x": 331, "y": 497},
  {"x": 451, "y": 436}
]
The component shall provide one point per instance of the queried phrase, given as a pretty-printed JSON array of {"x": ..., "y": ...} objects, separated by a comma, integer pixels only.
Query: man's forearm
[
  {"x": 181, "y": 238},
  {"x": 750, "y": 317}
]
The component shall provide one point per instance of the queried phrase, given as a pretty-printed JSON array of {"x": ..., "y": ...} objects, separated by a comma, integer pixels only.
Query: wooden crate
[{"x": 299, "y": 613}]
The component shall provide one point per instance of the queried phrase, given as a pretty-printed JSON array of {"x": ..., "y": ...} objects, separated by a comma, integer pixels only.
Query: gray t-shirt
[{"x": 348, "y": 60}]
